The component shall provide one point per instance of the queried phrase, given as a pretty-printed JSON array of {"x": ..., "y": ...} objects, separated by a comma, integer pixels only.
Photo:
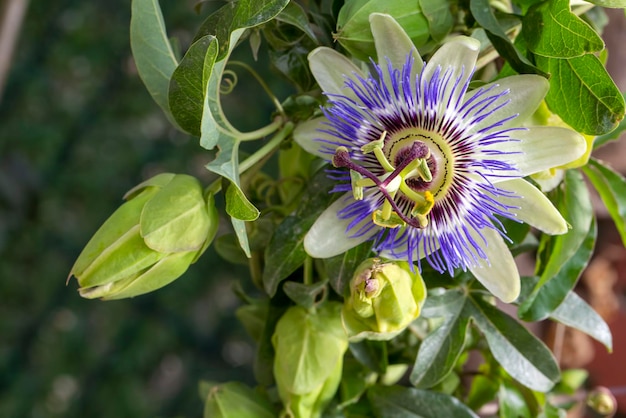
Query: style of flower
[{"x": 427, "y": 165}]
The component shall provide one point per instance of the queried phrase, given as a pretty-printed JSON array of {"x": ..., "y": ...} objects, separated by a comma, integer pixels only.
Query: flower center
[{"x": 417, "y": 168}]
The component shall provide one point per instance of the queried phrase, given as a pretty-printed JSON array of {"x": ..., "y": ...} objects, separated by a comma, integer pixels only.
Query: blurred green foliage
[{"x": 77, "y": 130}]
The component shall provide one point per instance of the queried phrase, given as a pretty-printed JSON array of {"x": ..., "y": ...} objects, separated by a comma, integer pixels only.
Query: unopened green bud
[
  {"x": 385, "y": 297},
  {"x": 309, "y": 347},
  {"x": 353, "y": 25},
  {"x": 602, "y": 402},
  {"x": 149, "y": 241},
  {"x": 236, "y": 400}
]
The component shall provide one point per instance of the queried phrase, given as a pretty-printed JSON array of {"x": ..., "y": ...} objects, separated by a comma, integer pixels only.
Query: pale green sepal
[
  {"x": 110, "y": 235},
  {"x": 534, "y": 208},
  {"x": 458, "y": 56},
  {"x": 127, "y": 256},
  {"x": 393, "y": 44},
  {"x": 524, "y": 95},
  {"x": 214, "y": 223},
  {"x": 330, "y": 69},
  {"x": 498, "y": 273},
  {"x": 160, "y": 274},
  {"x": 160, "y": 180},
  {"x": 328, "y": 237},
  {"x": 307, "y": 134},
  {"x": 175, "y": 219},
  {"x": 542, "y": 147}
]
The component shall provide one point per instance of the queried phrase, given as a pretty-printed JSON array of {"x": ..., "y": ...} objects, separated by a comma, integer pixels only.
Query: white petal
[
  {"x": 460, "y": 55},
  {"x": 542, "y": 147},
  {"x": 534, "y": 207},
  {"x": 525, "y": 94},
  {"x": 498, "y": 273},
  {"x": 307, "y": 133},
  {"x": 329, "y": 68},
  {"x": 393, "y": 43},
  {"x": 328, "y": 237}
]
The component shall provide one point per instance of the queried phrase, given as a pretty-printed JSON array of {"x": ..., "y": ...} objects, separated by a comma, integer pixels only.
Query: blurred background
[{"x": 77, "y": 130}]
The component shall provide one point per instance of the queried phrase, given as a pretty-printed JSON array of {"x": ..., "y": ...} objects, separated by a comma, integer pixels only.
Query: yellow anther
[{"x": 357, "y": 190}]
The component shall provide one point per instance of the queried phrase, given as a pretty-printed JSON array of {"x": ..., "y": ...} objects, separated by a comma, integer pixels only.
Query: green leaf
[
  {"x": 305, "y": 295},
  {"x": 512, "y": 402},
  {"x": 228, "y": 24},
  {"x": 545, "y": 299},
  {"x": 226, "y": 164},
  {"x": 285, "y": 252},
  {"x": 583, "y": 94},
  {"x": 439, "y": 16},
  {"x": 308, "y": 345},
  {"x": 440, "y": 350},
  {"x": 293, "y": 14},
  {"x": 238, "y": 206},
  {"x": 152, "y": 51},
  {"x": 340, "y": 268},
  {"x": 517, "y": 350},
  {"x": 614, "y": 135},
  {"x": 402, "y": 402},
  {"x": 372, "y": 354},
  {"x": 611, "y": 187},
  {"x": 576, "y": 313},
  {"x": 562, "y": 258},
  {"x": 187, "y": 87},
  {"x": 481, "y": 10},
  {"x": 484, "y": 389},
  {"x": 552, "y": 30},
  {"x": 235, "y": 16}
]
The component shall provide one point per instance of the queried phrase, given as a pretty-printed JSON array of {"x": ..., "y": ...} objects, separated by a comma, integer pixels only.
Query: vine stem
[
  {"x": 264, "y": 85},
  {"x": 308, "y": 270},
  {"x": 259, "y": 155}
]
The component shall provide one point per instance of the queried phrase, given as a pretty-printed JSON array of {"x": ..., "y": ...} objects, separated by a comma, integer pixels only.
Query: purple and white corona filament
[{"x": 427, "y": 165}]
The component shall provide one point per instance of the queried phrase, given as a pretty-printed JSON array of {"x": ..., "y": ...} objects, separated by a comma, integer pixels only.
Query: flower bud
[
  {"x": 549, "y": 179},
  {"x": 149, "y": 241},
  {"x": 385, "y": 297},
  {"x": 353, "y": 25},
  {"x": 309, "y": 346}
]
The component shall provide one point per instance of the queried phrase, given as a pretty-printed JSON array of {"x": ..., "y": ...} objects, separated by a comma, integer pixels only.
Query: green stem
[
  {"x": 265, "y": 87},
  {"x": 261, "y": 153},
  {"x": 308, "y": 270}
]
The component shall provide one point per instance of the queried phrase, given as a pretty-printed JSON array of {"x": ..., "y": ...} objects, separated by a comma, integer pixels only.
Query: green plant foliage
[
  {"x": 152, "y": 50},
  {"x": 612, "y": 189}
]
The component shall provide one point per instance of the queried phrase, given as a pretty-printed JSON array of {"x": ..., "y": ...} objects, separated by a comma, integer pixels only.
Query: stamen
[
  {"x": 357, "y": 191},
  {"x": 377, "y": 148},
  {"x": 393, "y": 216}
]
